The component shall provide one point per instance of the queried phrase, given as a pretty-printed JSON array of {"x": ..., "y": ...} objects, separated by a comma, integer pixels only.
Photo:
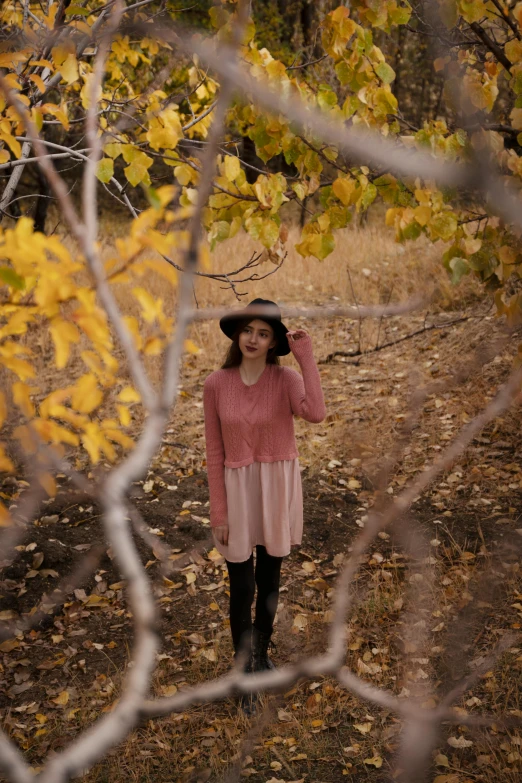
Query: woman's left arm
[{"x": 306, "y": 393}]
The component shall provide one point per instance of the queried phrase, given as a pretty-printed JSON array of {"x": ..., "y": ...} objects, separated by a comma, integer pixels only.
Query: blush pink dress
[{"x": 265, "y": 506}]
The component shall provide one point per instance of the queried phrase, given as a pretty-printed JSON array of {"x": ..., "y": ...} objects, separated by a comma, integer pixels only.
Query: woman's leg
[
  {"x": 267, "y": 576},
  {"x": 242, "y": 588}
]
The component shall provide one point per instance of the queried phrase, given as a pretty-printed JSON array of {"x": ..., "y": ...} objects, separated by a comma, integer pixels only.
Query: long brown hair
[{"x": 234, "y": 355}]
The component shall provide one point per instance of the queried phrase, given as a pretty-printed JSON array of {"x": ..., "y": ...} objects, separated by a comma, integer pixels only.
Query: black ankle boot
[
  {"x": 260, "y": 643},
  {"x": 247, "y": 701}
]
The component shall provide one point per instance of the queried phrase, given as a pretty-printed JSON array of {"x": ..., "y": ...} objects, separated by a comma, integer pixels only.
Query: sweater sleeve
[
  {"x": 215, "y": 454},
  {"x": 306, "y": 394}
]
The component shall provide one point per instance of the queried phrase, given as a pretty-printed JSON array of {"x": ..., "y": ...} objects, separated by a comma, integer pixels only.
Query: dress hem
[{"x": 253, "y": 547}]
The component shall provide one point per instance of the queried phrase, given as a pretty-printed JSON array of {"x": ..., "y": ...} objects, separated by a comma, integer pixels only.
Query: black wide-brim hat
[{"x": 265, "y": 310}]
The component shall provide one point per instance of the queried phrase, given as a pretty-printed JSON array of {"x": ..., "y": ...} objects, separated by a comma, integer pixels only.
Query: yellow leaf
[
  {"x": 105, "y": 169},
  {"x": 90, "y": 440},
  {"x": 422, "y": 215},
  {"x": 165, "y": 130},
  {"x": 119, "y": 437},
  {"x": 129, "y": 394},
  {"x": 65, "y": 61},
  {"x": 22, "y": 399},
  {"x": 19, "y": 366},
  {"x": 12, "y": 143},
  {"x": 5, "y": 518},
  {"x": 168, "y": 690},
  {"x": 48, "y": 483},
  {"x": 38, "y": 81},
  {"x": 58, "y": 112},
  {"x": 375, "y": 761},
  {"x": 190, "y": 577},
  {"x": 344, "y": 188},
  {"x": 4, "y": 156},
  {"x": 86, "y": 396},
  {"x": 232, "y": 167},
  {"x": 185, "y": 174},
  {"x": 51, "y": 432},
  {"x": 151, "y": 307},
  {"x": 63, "y": 334},
  {"x": 153, "y": 346},
  {"x": 319, "y": 584},
  {"x": 124, "y": 414},
  {"x": 391, "y": 215},
  {"x": 86, "y": 91},
  {"x": 62, "y": 699},
  {"x": 96, "y": 600},
  {"x": 191, "y": 347}
]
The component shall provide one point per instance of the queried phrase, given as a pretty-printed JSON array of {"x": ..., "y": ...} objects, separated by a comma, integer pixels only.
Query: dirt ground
[{"x": 59, "y": 674}]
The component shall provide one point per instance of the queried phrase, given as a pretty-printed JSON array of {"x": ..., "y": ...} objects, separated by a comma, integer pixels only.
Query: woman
[{"x": 252, "y": 464}]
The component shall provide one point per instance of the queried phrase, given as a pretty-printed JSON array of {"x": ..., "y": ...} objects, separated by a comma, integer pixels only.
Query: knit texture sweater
[{"x": 245, "y": 424}]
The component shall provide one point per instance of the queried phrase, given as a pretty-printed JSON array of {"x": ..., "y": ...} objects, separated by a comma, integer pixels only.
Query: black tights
[{"x": 243, "y": 581}]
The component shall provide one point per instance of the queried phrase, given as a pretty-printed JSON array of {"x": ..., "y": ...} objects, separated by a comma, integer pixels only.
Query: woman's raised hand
[
  {"x": 297, "y": 334},
  {"x": 221, "y": 533}
]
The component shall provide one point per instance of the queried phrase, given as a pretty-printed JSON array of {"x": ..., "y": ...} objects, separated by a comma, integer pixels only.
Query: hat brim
[{"x": 228, "y": 324}]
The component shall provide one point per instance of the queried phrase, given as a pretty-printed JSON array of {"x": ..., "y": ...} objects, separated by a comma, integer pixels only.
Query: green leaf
[
  {"x": 269, "y": 233},
  {"x": 513, "y": 50},
  {"x": 368, "y": 197},
  {"x": 385, "y": 101},
  {"x": 326, "y": 98},
  {"x": 220, "y": 230},
  {"x": 472, "y": 10},
  {"x": 411, "y": 231},
  {"x": 153, "y": 197},
  {"x": 77, "y": 10},
  {"x": 339, "y": 217},
  {"x": 344, "y": 72},
  {"x": 401, "y": 15},
  {"x": 325, "y": 246},
  {"x": 443, "y": 225},
  {"x": 299, "y": 190},
  {"x": 459, "y": 267},
  {"x": 105, "y": 169},
  {"x": 385, "y": 72},
  {"x": 12, "y": 278}
]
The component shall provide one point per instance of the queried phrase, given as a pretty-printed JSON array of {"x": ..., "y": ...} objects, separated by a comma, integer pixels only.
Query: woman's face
[{"x": 257, "y": 335}]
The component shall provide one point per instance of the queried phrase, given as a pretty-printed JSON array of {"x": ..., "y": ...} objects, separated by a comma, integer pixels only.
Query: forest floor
[{"x": 58, "y": 677}]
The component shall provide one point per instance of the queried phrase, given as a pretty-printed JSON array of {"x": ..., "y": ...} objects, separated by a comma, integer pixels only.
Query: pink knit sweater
[{"x": 245, "y": 424}]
